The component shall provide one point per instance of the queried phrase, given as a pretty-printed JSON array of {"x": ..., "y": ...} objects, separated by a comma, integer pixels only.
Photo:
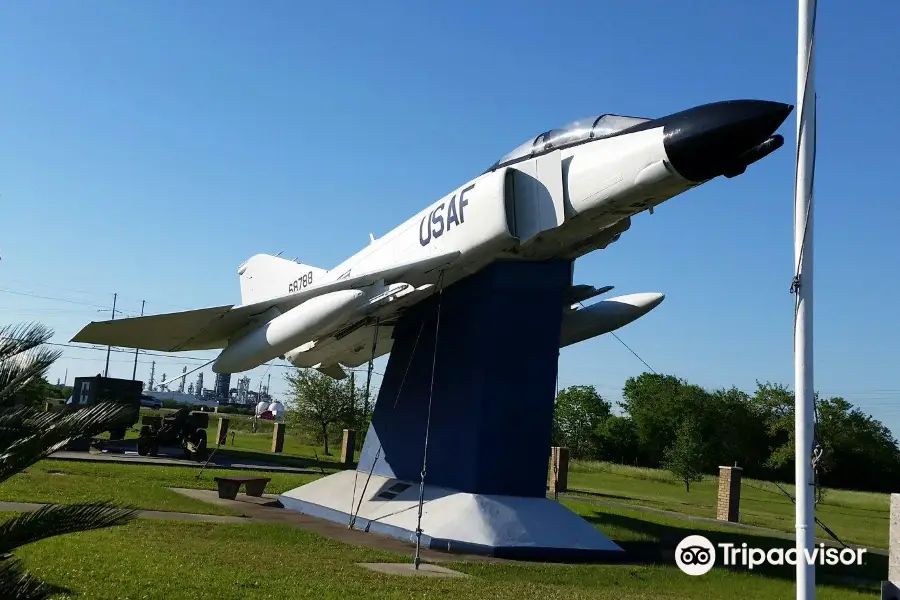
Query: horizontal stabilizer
[{"x": 211, "y": 328}]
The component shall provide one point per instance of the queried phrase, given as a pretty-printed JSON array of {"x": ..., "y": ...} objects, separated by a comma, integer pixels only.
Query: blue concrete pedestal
[{"x": 494, "y": 368}]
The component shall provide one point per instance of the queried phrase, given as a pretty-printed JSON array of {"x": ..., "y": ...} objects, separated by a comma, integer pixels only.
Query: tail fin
[{"x": 264, "y": 277}]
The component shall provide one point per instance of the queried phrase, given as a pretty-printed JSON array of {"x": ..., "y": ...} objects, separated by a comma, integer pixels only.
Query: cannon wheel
[
  {"x": 199, "y": 441},
  {"x": 145, "y": 441}
]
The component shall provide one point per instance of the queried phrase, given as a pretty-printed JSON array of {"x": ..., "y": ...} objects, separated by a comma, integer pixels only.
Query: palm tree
[{"x": 26, "y": 436}]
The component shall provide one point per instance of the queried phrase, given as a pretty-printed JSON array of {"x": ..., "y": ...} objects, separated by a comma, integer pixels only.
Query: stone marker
[
  {"x": 278, "y": 437},
  {"x": 348, "y": 445},
  {"x": 559, "y": 469},
  {"x": 889, "y": 588},
  {"x": 222, "y": 436},
  {"x": 729, "y": 499}
]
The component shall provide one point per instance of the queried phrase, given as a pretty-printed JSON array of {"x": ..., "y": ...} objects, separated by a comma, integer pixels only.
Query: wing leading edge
[{"x": 211, "y": 328}]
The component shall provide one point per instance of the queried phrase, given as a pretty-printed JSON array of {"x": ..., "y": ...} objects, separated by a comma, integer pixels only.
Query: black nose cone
[{"x": 710, "y": 140}]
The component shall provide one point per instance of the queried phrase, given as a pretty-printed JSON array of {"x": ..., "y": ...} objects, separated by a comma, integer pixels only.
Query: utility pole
[
  {"x": 352, "y": 407},
  {"x": 134, "y": 373},
  {"x": 802, "y": 286},
  {"x": 109, "y": 348}
]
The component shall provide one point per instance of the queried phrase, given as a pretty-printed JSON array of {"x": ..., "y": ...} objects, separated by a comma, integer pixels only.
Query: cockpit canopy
[{"x": 582, "y": 130}]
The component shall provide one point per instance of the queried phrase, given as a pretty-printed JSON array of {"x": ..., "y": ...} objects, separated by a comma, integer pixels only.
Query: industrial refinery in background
[{"x": 221, "y": 392}]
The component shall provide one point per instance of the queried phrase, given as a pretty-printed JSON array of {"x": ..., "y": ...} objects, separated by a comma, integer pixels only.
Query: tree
[
  {"x": 25, "y": 361},
  {"x": 858, "y": 450},
  {"x": 657, "y": 404},
  {"x": 616, "y": 440},
  {"x": 686, "y": 456},
  {"x": 28, "y": 435},
  {"x": 755, "y": 430},
  {"x": 737, "y": 432},
  {"x": 775, "y": 405},
  {"x": 317, "y": 402},
  {"x": 579, "y": 411}
]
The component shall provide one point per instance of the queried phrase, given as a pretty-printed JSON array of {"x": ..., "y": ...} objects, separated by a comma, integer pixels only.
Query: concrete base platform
[
  {"x": 268, "y": 510},
  {"x": 409, "y": 569},
  {"x": 452, "y": 521}
]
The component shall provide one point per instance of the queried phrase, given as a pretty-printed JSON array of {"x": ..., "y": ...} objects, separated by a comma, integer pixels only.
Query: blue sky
[{"x": 148, "y": 148}]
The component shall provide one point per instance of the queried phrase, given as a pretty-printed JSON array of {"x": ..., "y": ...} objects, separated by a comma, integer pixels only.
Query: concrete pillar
[
  {"x": 507, "y": 319},
  {"x": 222, "y": 435},
  {"x": 890, "y": 589},
  {"x": 559, "y": 469},
  {"x": 729, "y": 498},
  {"x": 348, "y": 445},
  {"x": 278, "y": 437}
]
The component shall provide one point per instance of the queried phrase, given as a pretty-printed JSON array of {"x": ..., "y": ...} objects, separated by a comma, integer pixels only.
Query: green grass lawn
[
  {"x": 172, "y": 559},
  {"x": 258, "y": 446},
  {"x": 855, "y": 517},
  {"x": 654, "y": 538},
  {"x": 244, "y": 440},
  {"x": 175, "y": 560},
  {"x": 144, "y": 487}
]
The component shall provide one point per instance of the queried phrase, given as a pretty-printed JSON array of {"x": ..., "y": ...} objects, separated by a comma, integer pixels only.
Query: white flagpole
[{"x": 803, "y": 286}]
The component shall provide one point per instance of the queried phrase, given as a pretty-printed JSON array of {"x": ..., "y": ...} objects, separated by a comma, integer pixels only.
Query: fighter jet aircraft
[{"x": 562, "y": 194}]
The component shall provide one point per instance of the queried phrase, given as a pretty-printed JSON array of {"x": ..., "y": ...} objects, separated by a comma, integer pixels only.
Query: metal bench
[{"x": 229, "y": 486}]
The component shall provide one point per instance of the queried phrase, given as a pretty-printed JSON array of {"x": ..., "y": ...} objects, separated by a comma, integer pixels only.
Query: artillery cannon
[{"x": 183, "y": 428}]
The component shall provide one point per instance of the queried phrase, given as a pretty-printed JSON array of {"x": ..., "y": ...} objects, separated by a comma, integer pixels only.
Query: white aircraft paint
[{"x": 563, "y": 194}]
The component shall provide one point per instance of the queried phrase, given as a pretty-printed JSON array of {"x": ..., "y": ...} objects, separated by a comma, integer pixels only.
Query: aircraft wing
[{"x": 211, "y": 328}]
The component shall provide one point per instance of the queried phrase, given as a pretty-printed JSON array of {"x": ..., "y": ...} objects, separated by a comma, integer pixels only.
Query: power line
[
  {"x": 93, "y": 293},
  {"x": 633, "y": 352},
  {"x": 100, "y": 307},
  {"x": 55, "y": 298},
  {"x": 56, "y": 287},
  {"x": 873, "y": 395},
  {"x": 174, "y": 358},
  {"x": 627, "y": 346}
]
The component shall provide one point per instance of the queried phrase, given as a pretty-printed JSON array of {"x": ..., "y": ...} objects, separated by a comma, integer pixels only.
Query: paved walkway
[
  {"x": 219, "y": 461},
  {"x": 267, "y": 509},
  {"x": 143, "y": 514}
]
